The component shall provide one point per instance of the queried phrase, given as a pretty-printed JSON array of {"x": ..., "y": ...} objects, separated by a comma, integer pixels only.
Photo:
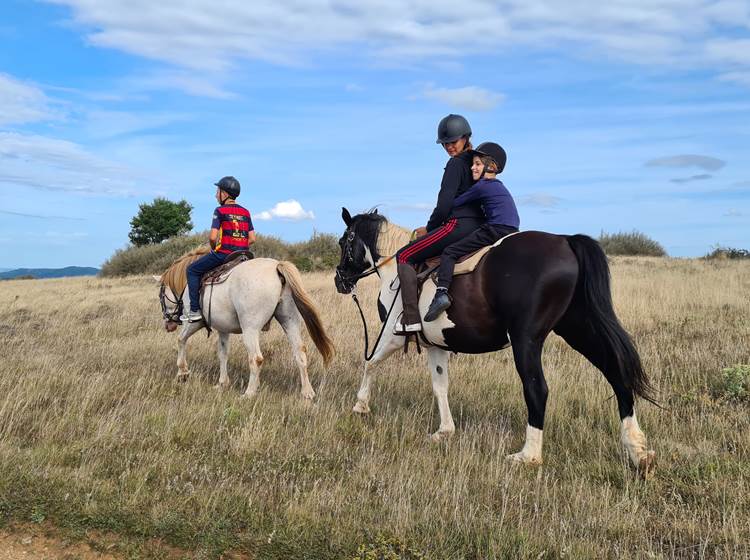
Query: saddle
[
  {"x": 464, "y": 265},
  {"x": 221, "y": 272}
]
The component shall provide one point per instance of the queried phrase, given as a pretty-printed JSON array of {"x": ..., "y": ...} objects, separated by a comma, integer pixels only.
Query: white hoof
[
  {"x": 222, "y": 386},
  {"x": 439, "y": 436},
  {"x": 182, "y": 376},
  {"x": 524, "y": 459},
  {"x": 248, "y": 396},
  {"x": 361, "y": 408},
  {"x": 308, "y": 393},
  {"x": 647, "y": 465}
]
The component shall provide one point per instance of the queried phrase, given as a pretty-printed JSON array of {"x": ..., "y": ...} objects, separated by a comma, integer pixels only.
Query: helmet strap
[{"x": 224, "y": 198}]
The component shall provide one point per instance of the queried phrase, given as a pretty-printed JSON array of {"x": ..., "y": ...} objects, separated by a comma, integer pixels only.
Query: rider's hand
[{"x": 420, "y": 232}]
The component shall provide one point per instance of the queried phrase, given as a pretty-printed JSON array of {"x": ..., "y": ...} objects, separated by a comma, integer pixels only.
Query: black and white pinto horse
[{"x": 528, "y": 285}]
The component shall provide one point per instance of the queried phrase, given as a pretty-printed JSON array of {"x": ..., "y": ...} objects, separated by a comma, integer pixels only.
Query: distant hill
[{"x": 49, "y": 272}]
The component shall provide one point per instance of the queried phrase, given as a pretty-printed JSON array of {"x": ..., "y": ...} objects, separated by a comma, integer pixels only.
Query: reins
[{"x": 382, "y": 329}]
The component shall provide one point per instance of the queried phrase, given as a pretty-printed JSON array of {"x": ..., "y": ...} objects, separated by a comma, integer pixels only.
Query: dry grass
[{"x": 96, "y": 434}]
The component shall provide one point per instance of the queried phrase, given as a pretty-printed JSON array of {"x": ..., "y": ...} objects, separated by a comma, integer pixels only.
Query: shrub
[
  {"x": 736, "y": 382},
  {"x": 720, "y": 252},
  {"x": 320, "y": 252},
  {"x": 633, "y": 243}
]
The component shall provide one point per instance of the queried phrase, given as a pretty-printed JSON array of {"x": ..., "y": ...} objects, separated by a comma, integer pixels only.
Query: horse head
[{"x": 358, "y": 248}]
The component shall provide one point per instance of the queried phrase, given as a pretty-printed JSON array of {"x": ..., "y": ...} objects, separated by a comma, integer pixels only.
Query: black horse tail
[{"x": 594, "y": 292}]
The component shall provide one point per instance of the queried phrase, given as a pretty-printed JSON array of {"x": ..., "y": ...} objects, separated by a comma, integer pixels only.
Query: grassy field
[{"x": 95, "y": 435}]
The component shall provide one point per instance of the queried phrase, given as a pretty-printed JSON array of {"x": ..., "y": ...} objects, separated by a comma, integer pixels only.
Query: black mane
[{"x": 367, "y": 227}]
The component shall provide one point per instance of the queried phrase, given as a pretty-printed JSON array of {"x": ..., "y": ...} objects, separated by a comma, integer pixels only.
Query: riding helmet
[
  {"x": 451, "y": 128},
  {"x": 494, "y": 151},
  {"x": 229, "y": 185}
]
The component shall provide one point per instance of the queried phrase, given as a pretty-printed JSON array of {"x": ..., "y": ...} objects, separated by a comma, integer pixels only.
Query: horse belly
[{"x": 468, "y": 327}]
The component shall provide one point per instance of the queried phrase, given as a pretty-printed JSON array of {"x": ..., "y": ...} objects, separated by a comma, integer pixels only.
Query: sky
[{"x": 622, "y": 116}]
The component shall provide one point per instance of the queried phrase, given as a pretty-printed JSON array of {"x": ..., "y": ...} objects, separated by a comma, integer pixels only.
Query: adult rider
[{"x": 446, "y": 224}]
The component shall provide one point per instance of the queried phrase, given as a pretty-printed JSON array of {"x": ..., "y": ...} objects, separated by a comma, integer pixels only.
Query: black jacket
[{"x": 456, "y": 181}]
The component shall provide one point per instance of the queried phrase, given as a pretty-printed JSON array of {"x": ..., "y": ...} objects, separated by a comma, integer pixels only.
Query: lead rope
[{"x": 382, "y": 329}]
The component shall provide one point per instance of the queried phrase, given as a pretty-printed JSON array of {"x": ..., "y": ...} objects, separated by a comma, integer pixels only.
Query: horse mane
[
  {"x": 175, "y": 277},
  {"x": 381, "y": 236}
]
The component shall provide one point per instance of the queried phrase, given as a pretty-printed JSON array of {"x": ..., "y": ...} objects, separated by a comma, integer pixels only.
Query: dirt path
[{"x": 25, "y": 543}]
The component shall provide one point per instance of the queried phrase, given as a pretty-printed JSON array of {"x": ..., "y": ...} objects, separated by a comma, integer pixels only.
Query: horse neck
[{"x": 391, "y": 238}]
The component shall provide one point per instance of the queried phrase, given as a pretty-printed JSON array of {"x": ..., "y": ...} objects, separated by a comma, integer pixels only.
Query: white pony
[{"x": 255, "y": 292}]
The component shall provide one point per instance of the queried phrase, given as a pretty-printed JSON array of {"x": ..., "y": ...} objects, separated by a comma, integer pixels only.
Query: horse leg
[
  {"x": 575, "y": 331},
  {"x": 527, "y": 354},
  {"x": 291, "y": 321},
  {"x": 188, "y": 330},
  {"x": 437, "y": 361},
  {"x": 388, "y": 345},
  {"x": 223, "y": 350},
  {"x": 251, "y": 338}
]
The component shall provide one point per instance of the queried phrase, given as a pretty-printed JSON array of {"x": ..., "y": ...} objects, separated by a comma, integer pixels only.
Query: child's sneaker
[{"x": 192, "y": 317}]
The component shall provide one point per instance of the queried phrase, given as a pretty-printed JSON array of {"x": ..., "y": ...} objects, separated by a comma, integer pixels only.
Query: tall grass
[{"x": 96, "y": 434}]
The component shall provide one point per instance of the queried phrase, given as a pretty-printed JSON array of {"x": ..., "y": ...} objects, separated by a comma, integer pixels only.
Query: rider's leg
[{"x": 196, "y": 271}]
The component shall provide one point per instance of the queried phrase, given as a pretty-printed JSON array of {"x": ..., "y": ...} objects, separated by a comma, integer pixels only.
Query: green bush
[
  {"x": 736, "y": 382},
  {"x": 634, "y": 243},
  {"x": 320, "y": 252},
  {"x": 720, "y": 252},
  {"x": 159, "y": 221}
]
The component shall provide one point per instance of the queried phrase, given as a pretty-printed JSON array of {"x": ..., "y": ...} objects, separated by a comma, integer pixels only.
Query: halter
[
  {"x": 174, "y": 316},
  {"x": 349, "y": 258}
]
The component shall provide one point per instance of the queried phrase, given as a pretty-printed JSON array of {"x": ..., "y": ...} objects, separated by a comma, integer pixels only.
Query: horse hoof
[
  {"x": 361, "y": 408},
  {"x": 308, "y": 394},
  {"x": 522, "y": 458},
  {"x": 439, "y": 436},
  {"x": 248, "y": 396},
  {"x": 222, "y": 386},
  {"x": 183, "y": 376},
  {"x": 647, "y": 465}
]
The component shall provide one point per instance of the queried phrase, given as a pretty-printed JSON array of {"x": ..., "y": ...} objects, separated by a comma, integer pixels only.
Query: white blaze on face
[{"x": 434, "y": 329}]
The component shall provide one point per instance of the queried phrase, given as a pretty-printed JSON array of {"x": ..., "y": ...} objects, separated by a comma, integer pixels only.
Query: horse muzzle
[
  {"x": 343, "y": 285},
  {"x": 170, "y": 326}
]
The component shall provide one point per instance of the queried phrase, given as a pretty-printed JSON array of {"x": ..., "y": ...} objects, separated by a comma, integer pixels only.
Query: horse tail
[
  {"x": 307, "y": 309},
  {"x": 593, "y": 292}
]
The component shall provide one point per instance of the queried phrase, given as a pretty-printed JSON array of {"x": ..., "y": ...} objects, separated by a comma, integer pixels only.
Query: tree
[{"x": 160, "y": 220}]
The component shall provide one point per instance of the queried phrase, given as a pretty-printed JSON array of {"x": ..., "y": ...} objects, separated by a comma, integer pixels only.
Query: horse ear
[
  {"x": 375, "y": 211},
  {"x": 157, "y": 278},
  {"x": 346, "y": 216}
]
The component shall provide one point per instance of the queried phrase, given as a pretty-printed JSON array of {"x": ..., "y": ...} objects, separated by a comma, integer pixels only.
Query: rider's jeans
[{"x": 196, "y": 271}]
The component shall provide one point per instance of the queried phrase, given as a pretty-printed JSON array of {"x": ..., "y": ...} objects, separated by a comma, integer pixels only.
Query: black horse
[{"x": 530, "y": 284}]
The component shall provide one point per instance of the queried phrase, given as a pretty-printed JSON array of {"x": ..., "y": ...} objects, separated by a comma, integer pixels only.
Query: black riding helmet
[
  {"x": 451, "y": 128},
  {"x": 493, "y": 151},
  {"x": 229, "y": 185}
]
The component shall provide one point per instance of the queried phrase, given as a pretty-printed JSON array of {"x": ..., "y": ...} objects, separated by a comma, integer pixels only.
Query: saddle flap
[{"x": 221, "y": 272}]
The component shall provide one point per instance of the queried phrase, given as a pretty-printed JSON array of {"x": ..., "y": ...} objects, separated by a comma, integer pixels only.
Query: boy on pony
[{"x": 231, "y": 230}]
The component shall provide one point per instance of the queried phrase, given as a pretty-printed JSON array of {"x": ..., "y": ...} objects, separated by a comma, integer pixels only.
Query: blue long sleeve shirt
[{"x": 497, "y": 203}]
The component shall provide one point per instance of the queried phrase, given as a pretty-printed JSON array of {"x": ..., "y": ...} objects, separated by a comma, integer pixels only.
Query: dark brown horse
[{"x": 530, "y": 284}]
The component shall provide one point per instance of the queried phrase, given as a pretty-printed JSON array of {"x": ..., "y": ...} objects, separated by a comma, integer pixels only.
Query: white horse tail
[{"x": 307, "y": 309}]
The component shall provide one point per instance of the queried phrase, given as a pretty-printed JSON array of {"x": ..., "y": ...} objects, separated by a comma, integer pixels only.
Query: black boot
[
  {"x": 410, "y": 319},
  {"x": 440, "y": 303}
]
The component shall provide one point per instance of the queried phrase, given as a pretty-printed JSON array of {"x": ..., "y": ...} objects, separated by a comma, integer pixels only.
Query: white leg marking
[
  {"x": 437, "y": 362},
  {"x": 636, "y": 445},
  {"x": 531, "y": 453},
  {"x": 255, "y": 359},
  {"x": 388, "y": 345}
]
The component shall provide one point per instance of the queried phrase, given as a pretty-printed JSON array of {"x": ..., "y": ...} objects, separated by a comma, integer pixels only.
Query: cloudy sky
[{"x": 633, "y": 114}]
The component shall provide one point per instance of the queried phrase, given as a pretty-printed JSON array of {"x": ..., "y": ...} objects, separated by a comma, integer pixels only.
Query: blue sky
[{"x": 633, "y": 115}]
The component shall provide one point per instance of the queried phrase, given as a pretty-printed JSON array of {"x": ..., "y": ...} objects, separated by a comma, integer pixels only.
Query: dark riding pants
[
  {"x": 196, "y": 271},
  {"x": 481, "y": 237},
  {"x": 422, "y": 249}
]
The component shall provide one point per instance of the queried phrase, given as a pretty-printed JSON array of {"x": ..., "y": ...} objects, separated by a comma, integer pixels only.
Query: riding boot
[{"x": 410, "y": 320}]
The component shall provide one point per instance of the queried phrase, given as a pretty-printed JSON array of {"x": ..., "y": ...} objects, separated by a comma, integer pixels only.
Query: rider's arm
[
  {"x": 473, "y": 194},
  {"x": 251, "y": 237},
  {"x": 213, "y": 237},
  {"x": 448, "y": 188}
]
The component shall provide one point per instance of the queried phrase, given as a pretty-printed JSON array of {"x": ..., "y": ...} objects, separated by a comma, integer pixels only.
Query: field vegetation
[{"x": 96, "y": 437}]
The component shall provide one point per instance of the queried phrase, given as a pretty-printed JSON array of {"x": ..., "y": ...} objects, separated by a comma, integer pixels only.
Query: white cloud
[
  {"x": 733, "y": 213},
  {"x": 23, "y": 103},
  {"x": 472, "y": 98},
  {"x": 43, "y": 163},
  {"x": 688, "y": 160},
  {"x": 209, "y": 35},
  {"x": 290, "y": 210},
  {"x": 541, "y": 200}
]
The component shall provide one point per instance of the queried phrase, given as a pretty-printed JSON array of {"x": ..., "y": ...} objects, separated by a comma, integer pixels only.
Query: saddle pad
[
  {"x": 467, "y": 263},
  {"x": 220, "y": 273}
]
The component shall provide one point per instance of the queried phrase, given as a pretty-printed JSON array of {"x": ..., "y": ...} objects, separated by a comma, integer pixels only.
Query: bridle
[{"x": 174, "y": 316}]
